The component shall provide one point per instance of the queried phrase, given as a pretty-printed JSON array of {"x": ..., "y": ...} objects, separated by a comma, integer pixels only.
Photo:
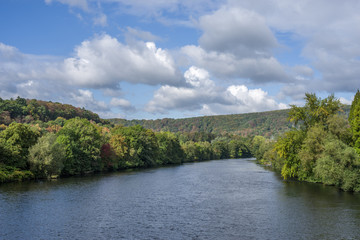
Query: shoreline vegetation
[
  {"x": 82, "y": 147},
  {"x": 324, "y": 146},
  {"x": 37, "y": 142}
]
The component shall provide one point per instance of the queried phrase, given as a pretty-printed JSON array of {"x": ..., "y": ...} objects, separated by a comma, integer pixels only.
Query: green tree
[
  {"x": 15, "y": 142},
  {"x": 191, "y": 151},
  {"x": 311, "y": 150},
  {"x": 204, "y": 151},
  {"x": 339, "y": 126},
  {"x": 287, "y": 148},
  {"x": 46, "y": 157},
  {"x": 82, "y": 143},
  {"x": 220, "y": 148},
  {"x": 120, "y": 147},
  {"x": 354, "y": 120},
  {"x": 170, "y": 151},
  {"x": 339, "y": 165},
  {"x": 315, "y": 111},
  {"x": 258, "y": 147},
  {"x": 142, "y": 145},
  {"x": 354, "y": 108}
]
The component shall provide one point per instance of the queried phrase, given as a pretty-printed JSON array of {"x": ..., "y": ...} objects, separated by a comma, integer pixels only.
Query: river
[{"x": 224, "y": 199}]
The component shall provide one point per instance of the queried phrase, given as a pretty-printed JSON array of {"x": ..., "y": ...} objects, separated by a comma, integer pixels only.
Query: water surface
[{"x": 224, "y": 199}]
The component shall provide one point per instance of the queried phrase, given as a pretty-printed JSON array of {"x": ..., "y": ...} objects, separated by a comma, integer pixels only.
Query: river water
[{"x": 224, "y": 199}]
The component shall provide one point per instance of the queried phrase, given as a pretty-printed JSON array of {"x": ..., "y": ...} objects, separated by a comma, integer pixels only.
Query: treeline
[
  {"x": 268, "y": 124},
  {"x": 29, "y": 111},
  {"x": 79, "y": 146},
  {"x": 324, "y": 147}
]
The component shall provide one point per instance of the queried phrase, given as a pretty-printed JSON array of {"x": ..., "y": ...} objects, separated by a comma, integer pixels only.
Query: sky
[{"x": 150, "y": 59}]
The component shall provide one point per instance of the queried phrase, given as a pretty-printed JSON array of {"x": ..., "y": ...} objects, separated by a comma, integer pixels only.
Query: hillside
[
  {"x": 267, "y": 124},
  {"x": 25, "y": 111}
]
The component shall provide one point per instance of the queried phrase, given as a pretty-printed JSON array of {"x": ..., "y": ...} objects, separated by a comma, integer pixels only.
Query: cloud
[
  {"x": 85, "y": 98},
  {"x": 327, "y": 32},
  {"x": 295, "y": 91},
  {"x": 133, "y": 33},
  {"x": 238, "y": 31},
  {"x": 303, "y": 72},
  {"x": 345, "y": 101},
  {"x": 25, "y": 74},
  {"x": 200, "y": 89},
  {"x": 243, "y": 100},
  {"x": 337, "y": 60},
  {"x": 104, "y": 62},
  {"x": 101, "y": 20},
  {"x": 203, "y": 95},
  {"x": 82, "y": 4},
  {"x": 99, "y": 63},
  {"x": 227, "y": 65},
  {"x": 161, "y": 8},
  {"x": 236, "y": 43},
  {"x": 123, "y": 104}
]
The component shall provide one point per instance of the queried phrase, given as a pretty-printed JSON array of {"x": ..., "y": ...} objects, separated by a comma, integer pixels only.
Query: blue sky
[{"x": 146, "y": 59}]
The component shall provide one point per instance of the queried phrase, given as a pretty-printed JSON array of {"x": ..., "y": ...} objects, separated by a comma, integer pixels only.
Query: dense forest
[
  {"x": 323, "y": 148},
  {"x": 268, "y": 124},
  {"x": 28, "y": 111},
  {"x": 37, "y": 141}
]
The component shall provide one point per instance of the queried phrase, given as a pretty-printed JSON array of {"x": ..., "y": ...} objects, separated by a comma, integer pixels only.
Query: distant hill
[
  {"x": 30, "y": 110},
  {"x": 268, "y": 124}
]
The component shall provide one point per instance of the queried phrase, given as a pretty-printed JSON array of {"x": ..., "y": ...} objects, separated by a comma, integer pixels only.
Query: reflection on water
[{"x": 227, "y": 199}]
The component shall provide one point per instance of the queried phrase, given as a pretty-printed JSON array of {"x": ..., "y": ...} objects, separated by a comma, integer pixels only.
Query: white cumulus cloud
[
  {"x": 203, "y": 95},
  {"x": 104, "y": 62}
]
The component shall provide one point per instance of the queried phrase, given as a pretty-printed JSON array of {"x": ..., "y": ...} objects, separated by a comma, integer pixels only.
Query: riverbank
[{"x": 10, "y": 174}]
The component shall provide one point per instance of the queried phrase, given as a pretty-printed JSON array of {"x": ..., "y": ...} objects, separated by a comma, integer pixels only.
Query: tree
[
  {"x": 170, "y": 151},
  {"x": 46, "y": 157},
  {"x": 287, "y": 148},
  {"x": 191, "y": 151},
  {"x": 354, "y": 108},
  {"x": 339, "y": 127},
  {"x": 354, "y": 120},
  {"x": 258, "y": 147},
  {"x": 220, "y": 148},
  {"x": 142, "y": 145},
  {"x": 82, "y": 143},
  {"x": 15, "y": 142},
  {"x": 339, "y": 165},
  {"x": 198, "y": 151},
  {"x": 121, "y": 150},
  {"x": 315, "y": 111},
  {"x": 109, "y": 160},
  {"x": 311, "y": 150}
]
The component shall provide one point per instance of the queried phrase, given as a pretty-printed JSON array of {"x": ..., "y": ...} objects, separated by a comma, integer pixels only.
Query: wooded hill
[
  {"x": 268, "y": 124},
  {"x": 24, "y": 110}
]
